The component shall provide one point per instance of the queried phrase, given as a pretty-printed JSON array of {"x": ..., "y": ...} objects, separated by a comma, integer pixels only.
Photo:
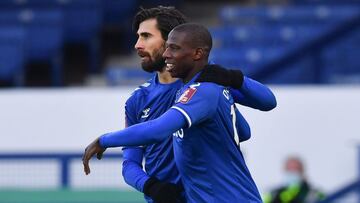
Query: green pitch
[{"x": 70, "y": 196}]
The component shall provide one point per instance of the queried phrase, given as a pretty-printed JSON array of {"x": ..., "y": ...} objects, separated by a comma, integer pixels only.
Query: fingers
[
  {"x": 86, "y": 167},
  {"x": 90, "y": 151},
  {"x": 86, "y": 157}
]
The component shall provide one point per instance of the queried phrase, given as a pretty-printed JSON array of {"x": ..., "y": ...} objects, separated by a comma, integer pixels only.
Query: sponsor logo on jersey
[
  {"x": 187, "y": 95},
  {"x": 226, "y": 94},
  {"x": 145, "y": 113}
]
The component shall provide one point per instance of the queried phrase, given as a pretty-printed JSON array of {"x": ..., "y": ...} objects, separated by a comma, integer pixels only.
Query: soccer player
[
  {"x": 161, "y": 181},
  {"x": 206, "y": 145}
]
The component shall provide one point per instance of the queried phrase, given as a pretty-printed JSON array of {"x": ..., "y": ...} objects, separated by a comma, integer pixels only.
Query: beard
[{"x": 157, "y": 64}]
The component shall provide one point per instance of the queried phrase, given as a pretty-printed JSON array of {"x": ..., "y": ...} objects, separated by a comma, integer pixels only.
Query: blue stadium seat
[
  {"x": 249, "y": 59},
  {"x": 27, "y": 3},
  {"x": 253, "y": 60},
  {"x": 301, "y": 72},
  {"x": 266, "y": 35},
  {"x": 83, "y": 17},
  {"x": 116, "y": 75},
  {"x": 269, "y": 28},
  {"x": 12, "y": 54},
  {"x": 342, "y": 58},
  {"x": 82, "y": 21},
  {"x": 44, "y": 35},
  {"x": 325, "y": 2},
  {"x": 119, "y": 12}
]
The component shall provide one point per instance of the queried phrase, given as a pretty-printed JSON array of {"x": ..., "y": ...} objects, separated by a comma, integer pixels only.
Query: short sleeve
[{"x": 198, "y": 102}]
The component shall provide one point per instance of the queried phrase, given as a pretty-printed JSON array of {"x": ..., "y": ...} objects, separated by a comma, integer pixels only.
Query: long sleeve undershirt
[{"x": 255, "y": 95}]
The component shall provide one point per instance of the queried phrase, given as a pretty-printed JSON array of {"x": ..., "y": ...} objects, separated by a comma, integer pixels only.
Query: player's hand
[
  {"x": 92, "y": 149},
  {"x": 221, "y": 76},
  {"x": 162, "y": 192}
]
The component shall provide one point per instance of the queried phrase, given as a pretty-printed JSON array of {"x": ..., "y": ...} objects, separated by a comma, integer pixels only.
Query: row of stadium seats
[
  {"x": 266, "y": 35},
  {"x": 250, "y": 38},
  {"x": 286, "y": 14},
  {"x": 114, "y": 11},
  {"x": 42, "y": 33},
  {"x": 326, "y": 2},
  {"x": 46, "y": 26},
  {"x": 49, "y": 24}
]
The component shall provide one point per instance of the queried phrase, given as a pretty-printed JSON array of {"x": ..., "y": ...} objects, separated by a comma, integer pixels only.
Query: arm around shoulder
[{"x": 255, "y": 95}]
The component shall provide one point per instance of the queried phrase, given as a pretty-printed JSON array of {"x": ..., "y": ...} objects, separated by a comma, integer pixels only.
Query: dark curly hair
[{"x": 167, "y": 18}]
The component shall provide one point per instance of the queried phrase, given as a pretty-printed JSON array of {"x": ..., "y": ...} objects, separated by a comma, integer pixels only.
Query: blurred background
[{"x": 68, "y": 66}]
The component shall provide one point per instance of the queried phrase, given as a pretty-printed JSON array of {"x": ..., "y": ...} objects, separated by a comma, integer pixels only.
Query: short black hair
[
  {"x": 167, "y": 18},
  {"x": 198, "y": 35}
]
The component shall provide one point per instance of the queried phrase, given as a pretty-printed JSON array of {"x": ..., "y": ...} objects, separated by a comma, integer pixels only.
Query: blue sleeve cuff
[
  {"x": 255, "y": 95},
  {"x": 101, "y": 142}
]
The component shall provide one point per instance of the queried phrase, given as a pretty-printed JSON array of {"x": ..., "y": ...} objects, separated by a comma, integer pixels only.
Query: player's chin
[{"x": 148, "y": 68}]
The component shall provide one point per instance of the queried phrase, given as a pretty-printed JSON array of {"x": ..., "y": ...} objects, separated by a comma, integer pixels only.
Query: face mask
[{"x": 292, "y": 178}]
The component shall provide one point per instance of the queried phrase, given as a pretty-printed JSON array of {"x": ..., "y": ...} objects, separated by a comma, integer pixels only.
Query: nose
[
  {"x": 166, "y": 54},
  {"x": 139, "y": 44}
]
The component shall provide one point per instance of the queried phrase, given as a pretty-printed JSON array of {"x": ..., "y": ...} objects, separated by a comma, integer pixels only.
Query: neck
[
  {"x": 197, "y": 68},
  {"x": 165, "y": 77}
]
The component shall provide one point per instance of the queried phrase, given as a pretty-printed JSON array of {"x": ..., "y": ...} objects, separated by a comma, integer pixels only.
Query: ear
[{"x": 198, "y": 54}]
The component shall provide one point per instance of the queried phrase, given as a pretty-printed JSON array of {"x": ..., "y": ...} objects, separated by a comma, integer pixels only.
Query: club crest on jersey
[
  {"x": 145, "y": 113},
  {"x": 187, "y": 95}
]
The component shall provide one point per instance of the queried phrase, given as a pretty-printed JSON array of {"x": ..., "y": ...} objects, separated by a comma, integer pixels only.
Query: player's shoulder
[
  {"x": 206, "y": 90},
  {"x": 141, "y": 91},
  {"x": 213, "y": 91},
  {"x": 207, "y": 87}
]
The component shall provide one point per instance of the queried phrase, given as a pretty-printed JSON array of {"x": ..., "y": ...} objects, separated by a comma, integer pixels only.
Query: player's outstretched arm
[
  {"x": 244, "y": 90},
  {"x": 145, "y": 133},
  {"x": 140, "y": 134}
]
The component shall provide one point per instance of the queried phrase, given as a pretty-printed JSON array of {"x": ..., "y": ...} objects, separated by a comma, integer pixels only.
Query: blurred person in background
[
  {"x": 160, "y": 180},
  {"x": 296, "y": 188}
]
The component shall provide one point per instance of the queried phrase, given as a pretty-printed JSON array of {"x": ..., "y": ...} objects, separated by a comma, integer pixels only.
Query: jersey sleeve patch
[{"x": 187, "y": 95}]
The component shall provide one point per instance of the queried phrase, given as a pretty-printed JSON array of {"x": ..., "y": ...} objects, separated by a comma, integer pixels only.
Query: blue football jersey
[
  {"x": 148, "y": 102},
  {"x": 207, "y": 152}
]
